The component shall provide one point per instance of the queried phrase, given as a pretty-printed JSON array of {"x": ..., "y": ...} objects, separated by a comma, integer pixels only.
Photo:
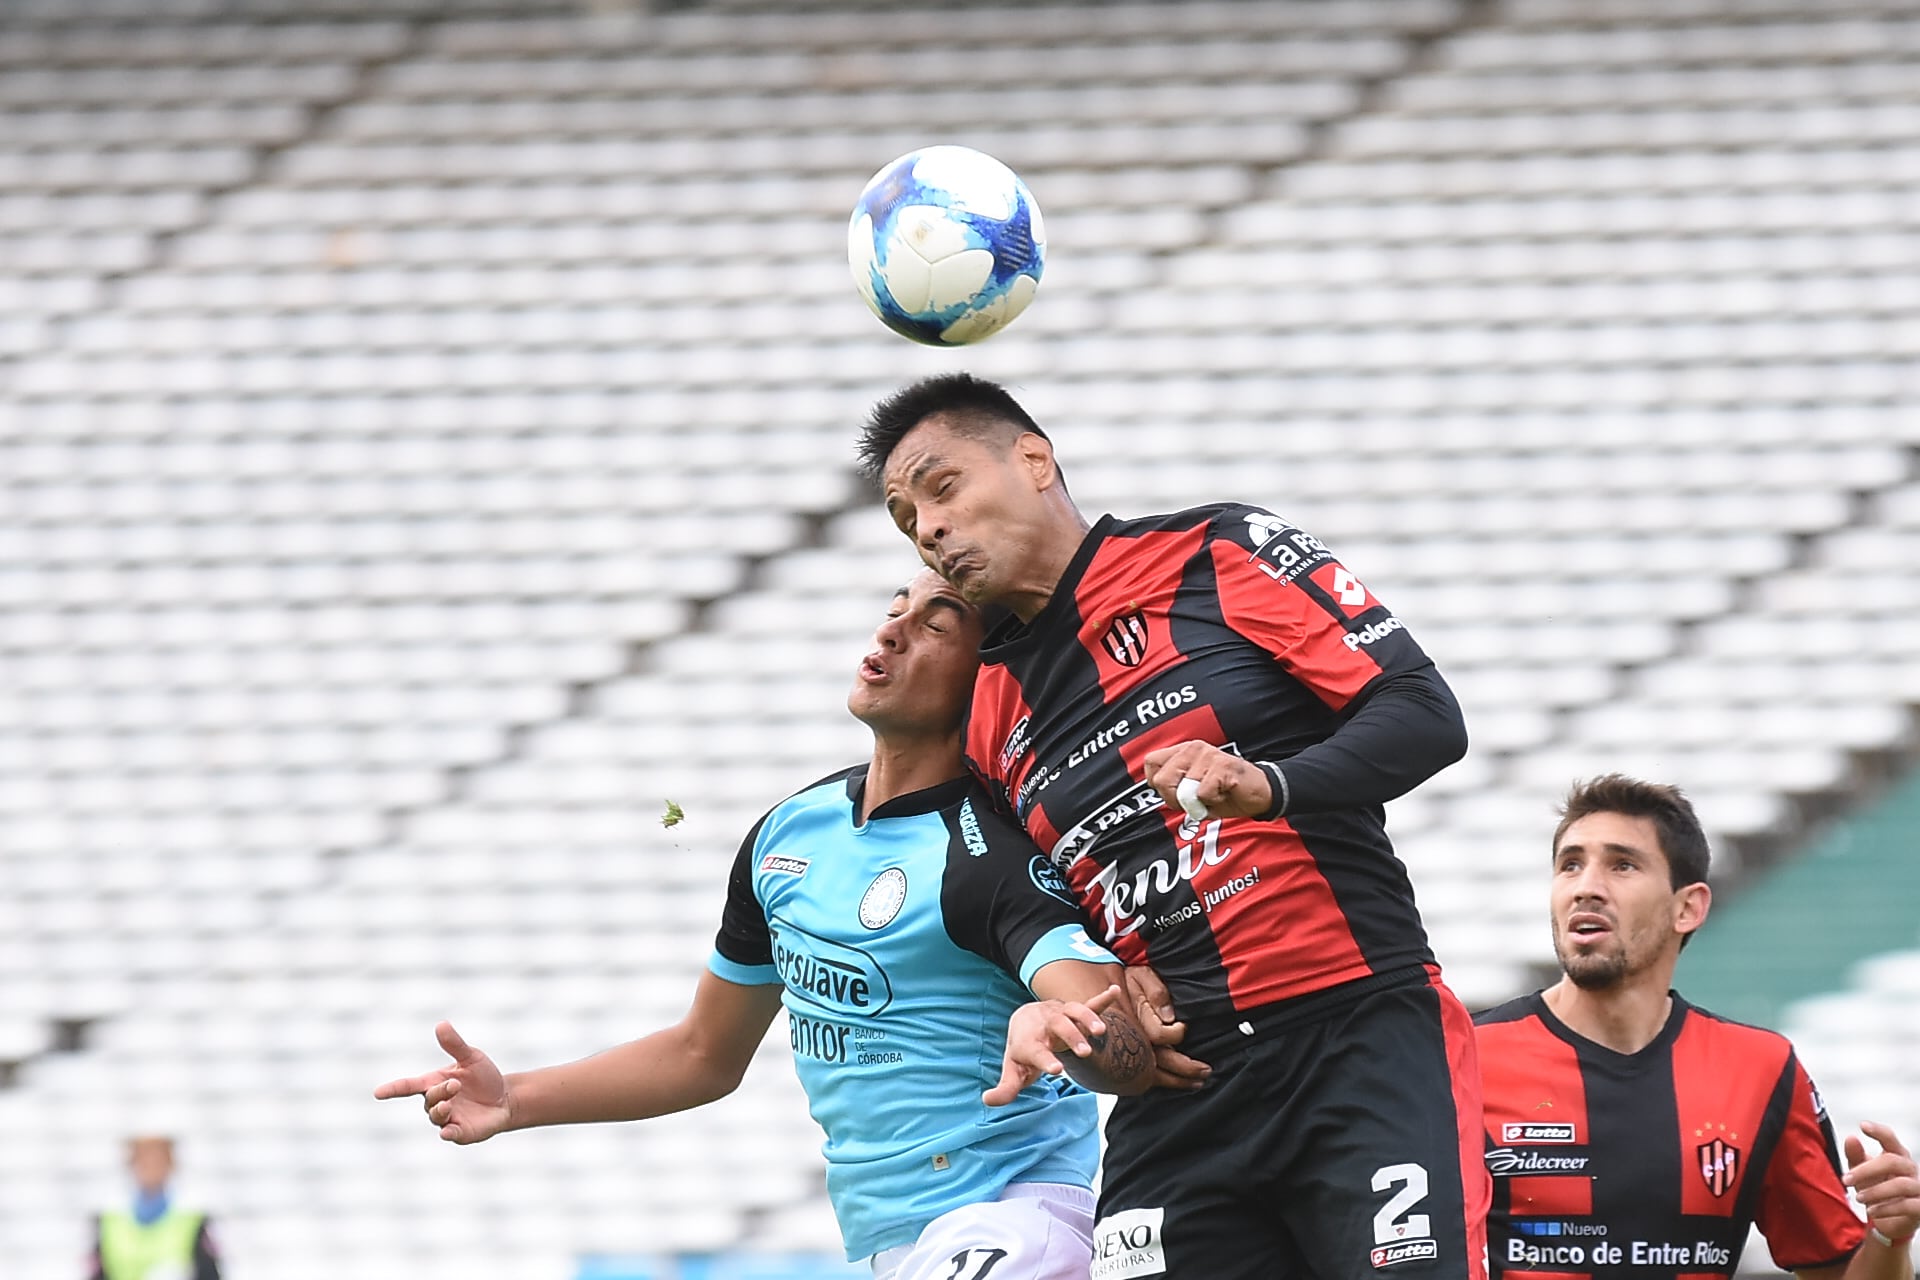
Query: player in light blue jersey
[{"x": 907, "y": 929}]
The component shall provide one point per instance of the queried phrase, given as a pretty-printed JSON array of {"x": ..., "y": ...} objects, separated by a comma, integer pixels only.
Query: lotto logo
[
  {"x": 1347, "y": 593},
  {"x": 1387, "y": 1255}
]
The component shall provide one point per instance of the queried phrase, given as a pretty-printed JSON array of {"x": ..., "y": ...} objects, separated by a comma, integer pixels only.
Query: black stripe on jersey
[
  {"x": 1633, "y": 1127},
  {"x": 1772, "y": 1125},
  {"x": 1519, "y": 1009}
]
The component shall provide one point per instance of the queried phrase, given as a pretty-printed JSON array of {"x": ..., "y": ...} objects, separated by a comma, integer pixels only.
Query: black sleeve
[
  {"x": 96, "y": 1269},
  {"x": 744, "y": 937},
  {"x": 1406, "y": 728},
  {"x": 1000, "y": 894},
  {"x": 206, "y": 1259}
]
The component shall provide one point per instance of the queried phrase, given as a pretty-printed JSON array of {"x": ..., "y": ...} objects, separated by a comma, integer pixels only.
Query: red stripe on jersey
[
  {"x": 1531, "y": 1077},
  {"x": 1804, "y": 1211},
  {"x": 1723, "y": 1074},
  {"x": 1272, "y": 900},
  {"x": 1123, "y": 614},
  {"x": 1546, "y": 1194},
  {"x": 1310, "y": 639},
  {"x": 998, "y": 740},
  {"x": 1463, "y": 1067}
]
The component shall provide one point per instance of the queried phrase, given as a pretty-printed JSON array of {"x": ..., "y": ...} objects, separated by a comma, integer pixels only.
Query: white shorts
[{"x": 1034, "y": 1231}]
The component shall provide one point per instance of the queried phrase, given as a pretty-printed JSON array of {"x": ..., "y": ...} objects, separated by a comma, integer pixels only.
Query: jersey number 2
[
  {"x": 1388, "y": 1226},
  {"x": 989, "y": 1259}
]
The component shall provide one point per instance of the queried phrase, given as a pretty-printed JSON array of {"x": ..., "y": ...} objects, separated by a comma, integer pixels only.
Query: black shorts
[{"x": 1326, "y": 1148}]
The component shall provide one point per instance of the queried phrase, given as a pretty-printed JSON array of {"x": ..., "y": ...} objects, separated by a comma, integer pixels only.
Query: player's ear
[
  {"x": 1034, "y": 454},
  {"x": 1690, "y": 907}
]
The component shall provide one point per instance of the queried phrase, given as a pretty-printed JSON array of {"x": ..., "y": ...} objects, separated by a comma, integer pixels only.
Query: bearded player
[{"x": 1631, "y": 1134}]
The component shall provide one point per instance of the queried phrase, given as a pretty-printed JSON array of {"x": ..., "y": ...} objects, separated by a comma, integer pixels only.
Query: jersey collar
[
  {"x": 926, "y": 800},
  {"x": 1594, "y": 1052}
]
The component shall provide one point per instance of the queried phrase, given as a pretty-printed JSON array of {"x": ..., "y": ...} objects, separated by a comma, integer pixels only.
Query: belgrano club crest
[
  {"x": 1719, "y": 1165},
  {"x": 1126, "y": 639}
]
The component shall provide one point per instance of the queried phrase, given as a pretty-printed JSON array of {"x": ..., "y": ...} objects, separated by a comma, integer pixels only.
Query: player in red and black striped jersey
[
  {"x": 1632, "y": 1135},
  {"x": 1199, "y": 716}
]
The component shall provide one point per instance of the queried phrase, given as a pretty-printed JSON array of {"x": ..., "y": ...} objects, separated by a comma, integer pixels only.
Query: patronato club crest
[
  {"x": 1126, "y": 639},
  {"x": 1719, "y": 1165}
]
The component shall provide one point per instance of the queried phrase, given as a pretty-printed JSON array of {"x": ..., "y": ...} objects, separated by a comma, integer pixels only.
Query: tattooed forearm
[{"x": 1121, "y": 1059}]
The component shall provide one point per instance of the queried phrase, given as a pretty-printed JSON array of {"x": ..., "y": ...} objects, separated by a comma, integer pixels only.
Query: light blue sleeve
[
  {"x": 745, "y": 975},
  {"x": 1062, "y": 942}
]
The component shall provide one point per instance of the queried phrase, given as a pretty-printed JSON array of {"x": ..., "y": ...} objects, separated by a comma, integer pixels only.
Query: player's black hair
[
  {"x": 972, "y": 406},
  {"x": 1682, "y": 841}
]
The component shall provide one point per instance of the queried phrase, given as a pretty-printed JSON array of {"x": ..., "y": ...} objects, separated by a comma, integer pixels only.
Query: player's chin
[{"x": 1594, "y": 971}]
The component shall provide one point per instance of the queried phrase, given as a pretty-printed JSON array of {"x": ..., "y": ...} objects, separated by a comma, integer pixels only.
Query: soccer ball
[{"x": 946, "y": 245}]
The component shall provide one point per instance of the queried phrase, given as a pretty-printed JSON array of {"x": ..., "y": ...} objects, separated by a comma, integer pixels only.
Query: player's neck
[
  {"x": 1626, "y": 1018},
  {"x": 901, "y": 767},
  {"x": 1047, "y": 564}
]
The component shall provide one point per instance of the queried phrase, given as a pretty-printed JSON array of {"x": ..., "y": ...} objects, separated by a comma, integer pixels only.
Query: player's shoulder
[
  {"x": 1744, "y": 1038},
  {"x": 1513, "y": 1015},
  {"x": 1244, "y": 524},
  {"x": 1212, "y": 517},
  {"x": 832, "y": 792}
]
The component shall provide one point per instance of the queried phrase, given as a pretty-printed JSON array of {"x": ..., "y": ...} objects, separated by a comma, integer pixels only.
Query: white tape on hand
[{"x": 1188, "y": 793}]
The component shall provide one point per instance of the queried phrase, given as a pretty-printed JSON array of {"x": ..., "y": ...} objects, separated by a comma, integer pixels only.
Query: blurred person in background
[
  {"x": 154, "y": 1238},
  {"x": 903, "y": 925},
  {"x": 1630, "y": 1133}
]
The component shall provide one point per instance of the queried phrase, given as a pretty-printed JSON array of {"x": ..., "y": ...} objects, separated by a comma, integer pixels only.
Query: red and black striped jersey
[
  {"x": 1228, "y": 624},
  {"x": 1652, "y": 1165}
]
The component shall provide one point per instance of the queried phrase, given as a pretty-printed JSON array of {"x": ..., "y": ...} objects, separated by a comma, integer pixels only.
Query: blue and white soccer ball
[{"x": 946, "y": 245}]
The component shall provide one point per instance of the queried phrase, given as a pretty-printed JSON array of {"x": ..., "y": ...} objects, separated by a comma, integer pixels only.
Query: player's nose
[
  {"x": 1590, "y": 888},
  {"x": 933, "y": 528}
]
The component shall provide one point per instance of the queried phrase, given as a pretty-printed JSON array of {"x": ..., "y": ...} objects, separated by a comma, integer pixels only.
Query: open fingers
[
  {"x": 1072, "y": 1024},
  {"x": 1106, "y": 999},
  {"x": 1885, "y": 1136},
  {"x": 408, "y": 1086},
  {"x": 450, "y": 1040},
  {"x": 1884, "y": 1175},
  {"x": 1014, "y": 1076}
]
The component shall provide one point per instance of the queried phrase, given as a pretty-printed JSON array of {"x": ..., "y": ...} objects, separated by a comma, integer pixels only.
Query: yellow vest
[{"x": 161, "y": 1250}]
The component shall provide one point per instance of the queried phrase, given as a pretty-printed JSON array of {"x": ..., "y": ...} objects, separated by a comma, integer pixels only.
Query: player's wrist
[
  {"x": 1282, "y": 793},
  {"x": 1887, "y": 1241}
]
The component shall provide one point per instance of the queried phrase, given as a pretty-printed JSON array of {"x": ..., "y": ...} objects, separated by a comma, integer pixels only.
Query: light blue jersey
[{"x": 903, "y": 945}]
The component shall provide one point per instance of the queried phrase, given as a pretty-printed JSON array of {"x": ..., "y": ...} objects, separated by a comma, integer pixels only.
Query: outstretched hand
[
  {"x": 1887, "y": 1184},
  {"x": 1039, "y": 1032},
  {"x": 468, "y": 1101}
]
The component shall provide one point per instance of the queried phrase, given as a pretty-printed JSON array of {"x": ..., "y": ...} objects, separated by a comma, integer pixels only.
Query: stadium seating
[{"x": 425, "y": 437}]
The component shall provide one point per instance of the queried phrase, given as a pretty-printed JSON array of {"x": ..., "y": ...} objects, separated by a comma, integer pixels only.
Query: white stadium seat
[{"x": 426, "y": 443}]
